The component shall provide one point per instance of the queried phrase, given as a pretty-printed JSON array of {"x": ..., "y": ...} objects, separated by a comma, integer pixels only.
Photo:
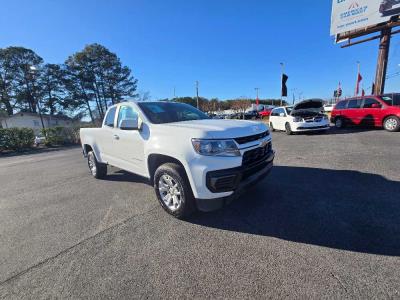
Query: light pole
[
  {"x": 197, "y": 94},
  {"x": 34, "y": 69},
  {"x": 294, "y": 97}
]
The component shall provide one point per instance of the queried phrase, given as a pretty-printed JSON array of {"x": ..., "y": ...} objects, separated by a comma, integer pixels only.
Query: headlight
[
  {"x": 297, "y": 119},
  {"x": 215, "y": 147}
]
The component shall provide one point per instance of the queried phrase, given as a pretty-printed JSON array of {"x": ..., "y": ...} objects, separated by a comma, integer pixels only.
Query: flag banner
[
  {"x": 359, "y": 78},
  {"x": 284, "y": 87}
]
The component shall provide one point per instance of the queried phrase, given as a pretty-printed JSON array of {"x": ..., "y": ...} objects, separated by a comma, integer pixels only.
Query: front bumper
[
  {"x": 305, "y": 128},
  {"x": 309, "y": 126},
  {"x": 236, "y": 180}
]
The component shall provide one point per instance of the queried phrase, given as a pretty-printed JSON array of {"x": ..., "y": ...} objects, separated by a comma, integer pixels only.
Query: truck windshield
[{"x": 169, "y": 112}]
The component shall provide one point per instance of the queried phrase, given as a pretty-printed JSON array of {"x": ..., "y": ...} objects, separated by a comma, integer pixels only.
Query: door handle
[{"x": 116, "y": 137}]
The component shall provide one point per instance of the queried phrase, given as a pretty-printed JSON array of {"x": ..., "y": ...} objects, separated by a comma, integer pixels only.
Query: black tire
[
  {"x": 288, "y": 129},
  {"x": 271, "y": 126},
  {"x": 184, "y": 204},
  {"x": 97, "y": 169},
  {"x": 391, "y": 123},
  {"x": 339, "y": 123}
]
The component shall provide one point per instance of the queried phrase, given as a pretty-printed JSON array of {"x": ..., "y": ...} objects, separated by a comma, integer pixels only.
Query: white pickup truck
[{"x": 192, "y": 161}]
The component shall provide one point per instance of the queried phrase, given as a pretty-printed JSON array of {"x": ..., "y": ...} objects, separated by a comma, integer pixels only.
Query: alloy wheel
[
  {"x": 170, "y": 192},
  {"x": 391, "y": 124}
]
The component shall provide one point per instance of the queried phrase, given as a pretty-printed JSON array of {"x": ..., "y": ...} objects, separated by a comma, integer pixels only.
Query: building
[{"x": 32, "y": 120}]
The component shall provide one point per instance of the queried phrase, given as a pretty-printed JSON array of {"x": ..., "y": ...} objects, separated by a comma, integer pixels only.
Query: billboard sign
[{"x": 355, "y": 14}]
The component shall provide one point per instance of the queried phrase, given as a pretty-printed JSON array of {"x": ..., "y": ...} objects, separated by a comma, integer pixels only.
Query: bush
[
  {"x": 16, "y": 138},
  {"x": 57, "y": 136}
]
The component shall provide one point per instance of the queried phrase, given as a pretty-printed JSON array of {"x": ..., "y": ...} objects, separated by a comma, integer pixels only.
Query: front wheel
[
  {"x": 392, "y": 124},
  {"x": 173, "y": 190},
  {"x": 339, "y": 123},
  {"x": 271, "y": 126},
  {"x": 97, "y": 169},
  {"x": 288, "y": 129}
]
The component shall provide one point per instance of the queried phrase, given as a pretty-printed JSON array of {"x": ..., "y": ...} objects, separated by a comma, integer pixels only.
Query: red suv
[{"x": 378, "y": 111}]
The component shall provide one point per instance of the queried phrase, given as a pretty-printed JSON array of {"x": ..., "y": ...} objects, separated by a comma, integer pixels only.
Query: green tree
[
  {"x": 52, "y": 85},
  {"x": 26, "y": 67},
  {"x": 99, "y": 77},
  {"x": 6, "y": 81}
]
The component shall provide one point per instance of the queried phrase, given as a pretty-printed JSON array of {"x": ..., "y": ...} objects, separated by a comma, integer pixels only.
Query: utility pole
[
  {"x": 197, "y": 94},
  {"x": 383, "y": 57},
  {"x": 257, "y": 100},
  {"x": 174, "y": 94}
]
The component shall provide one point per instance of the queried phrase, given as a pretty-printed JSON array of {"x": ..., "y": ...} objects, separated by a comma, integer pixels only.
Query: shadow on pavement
[
  {"x": 37, "y": 151},
  {"x": 351, "y": 129},
  {"x": 345, "y": 210},
  {"x": 124, "y": 176}
]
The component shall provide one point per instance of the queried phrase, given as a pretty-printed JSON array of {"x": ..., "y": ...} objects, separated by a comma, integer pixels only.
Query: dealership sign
[{"x": 355, "y": 14}]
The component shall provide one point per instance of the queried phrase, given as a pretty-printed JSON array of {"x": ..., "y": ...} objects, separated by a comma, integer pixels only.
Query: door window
[
  {"x": 275, "y": 113},
  {"x": 126, "y": 113},
  {"x": 354, "y": 104},
  {"x": 368, "y": 102},
  {"x": 109, "y": 120}
]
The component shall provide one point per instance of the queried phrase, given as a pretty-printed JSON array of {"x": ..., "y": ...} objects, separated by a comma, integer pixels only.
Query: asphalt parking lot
[{"x": 325, "y": 224}]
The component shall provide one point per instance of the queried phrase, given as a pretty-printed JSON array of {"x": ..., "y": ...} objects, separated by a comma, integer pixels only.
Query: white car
[
  {"x": 328, "y": 107},
  {"x": 191, "y": 160},
  {"x": 304, "y": 116}
]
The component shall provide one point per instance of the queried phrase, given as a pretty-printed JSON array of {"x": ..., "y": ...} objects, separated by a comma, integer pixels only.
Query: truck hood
[
  {"x": 308, "y": 107},
  {"x": 217, "y": 129}
]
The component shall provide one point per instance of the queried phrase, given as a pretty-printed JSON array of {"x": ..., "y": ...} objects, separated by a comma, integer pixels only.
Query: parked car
[
  {"x": 390, "y": 7},
  {"x": 264, "y": 113},
  {"x": 192, "y": 161},
  {"x": 377, "y": 111},
  {"x": 39, "y": 140},
  {"x": 251, "y": 115},
  {"x": 304, "y": 116},
  {"x": 328, "y": 107}
]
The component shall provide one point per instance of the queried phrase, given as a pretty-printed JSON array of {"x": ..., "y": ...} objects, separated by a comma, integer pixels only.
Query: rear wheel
[
  {"x": 339, "y": 123},
  {"x": 392, "y": 124},
  {"x": 288, "y": 129},
  {"x": 97, "y": 169},
  {"x": 173, "y": 190}
]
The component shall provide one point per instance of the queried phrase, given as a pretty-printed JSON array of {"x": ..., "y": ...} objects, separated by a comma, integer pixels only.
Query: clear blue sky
[{"x": 230, "y": 46}]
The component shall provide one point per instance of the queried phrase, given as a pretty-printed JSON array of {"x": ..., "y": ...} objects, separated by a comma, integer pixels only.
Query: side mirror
[
  {"x": 281, "y": 114},
  {"x": 375, "y": 105},
  {"x": 129, "y": 124}
]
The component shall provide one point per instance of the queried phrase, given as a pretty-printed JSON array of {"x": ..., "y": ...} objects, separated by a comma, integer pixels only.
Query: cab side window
[
  {"x": 109, "y": 120},
  {"x": 369, "y": 102},
  {"x": 126, "y": 113}
]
